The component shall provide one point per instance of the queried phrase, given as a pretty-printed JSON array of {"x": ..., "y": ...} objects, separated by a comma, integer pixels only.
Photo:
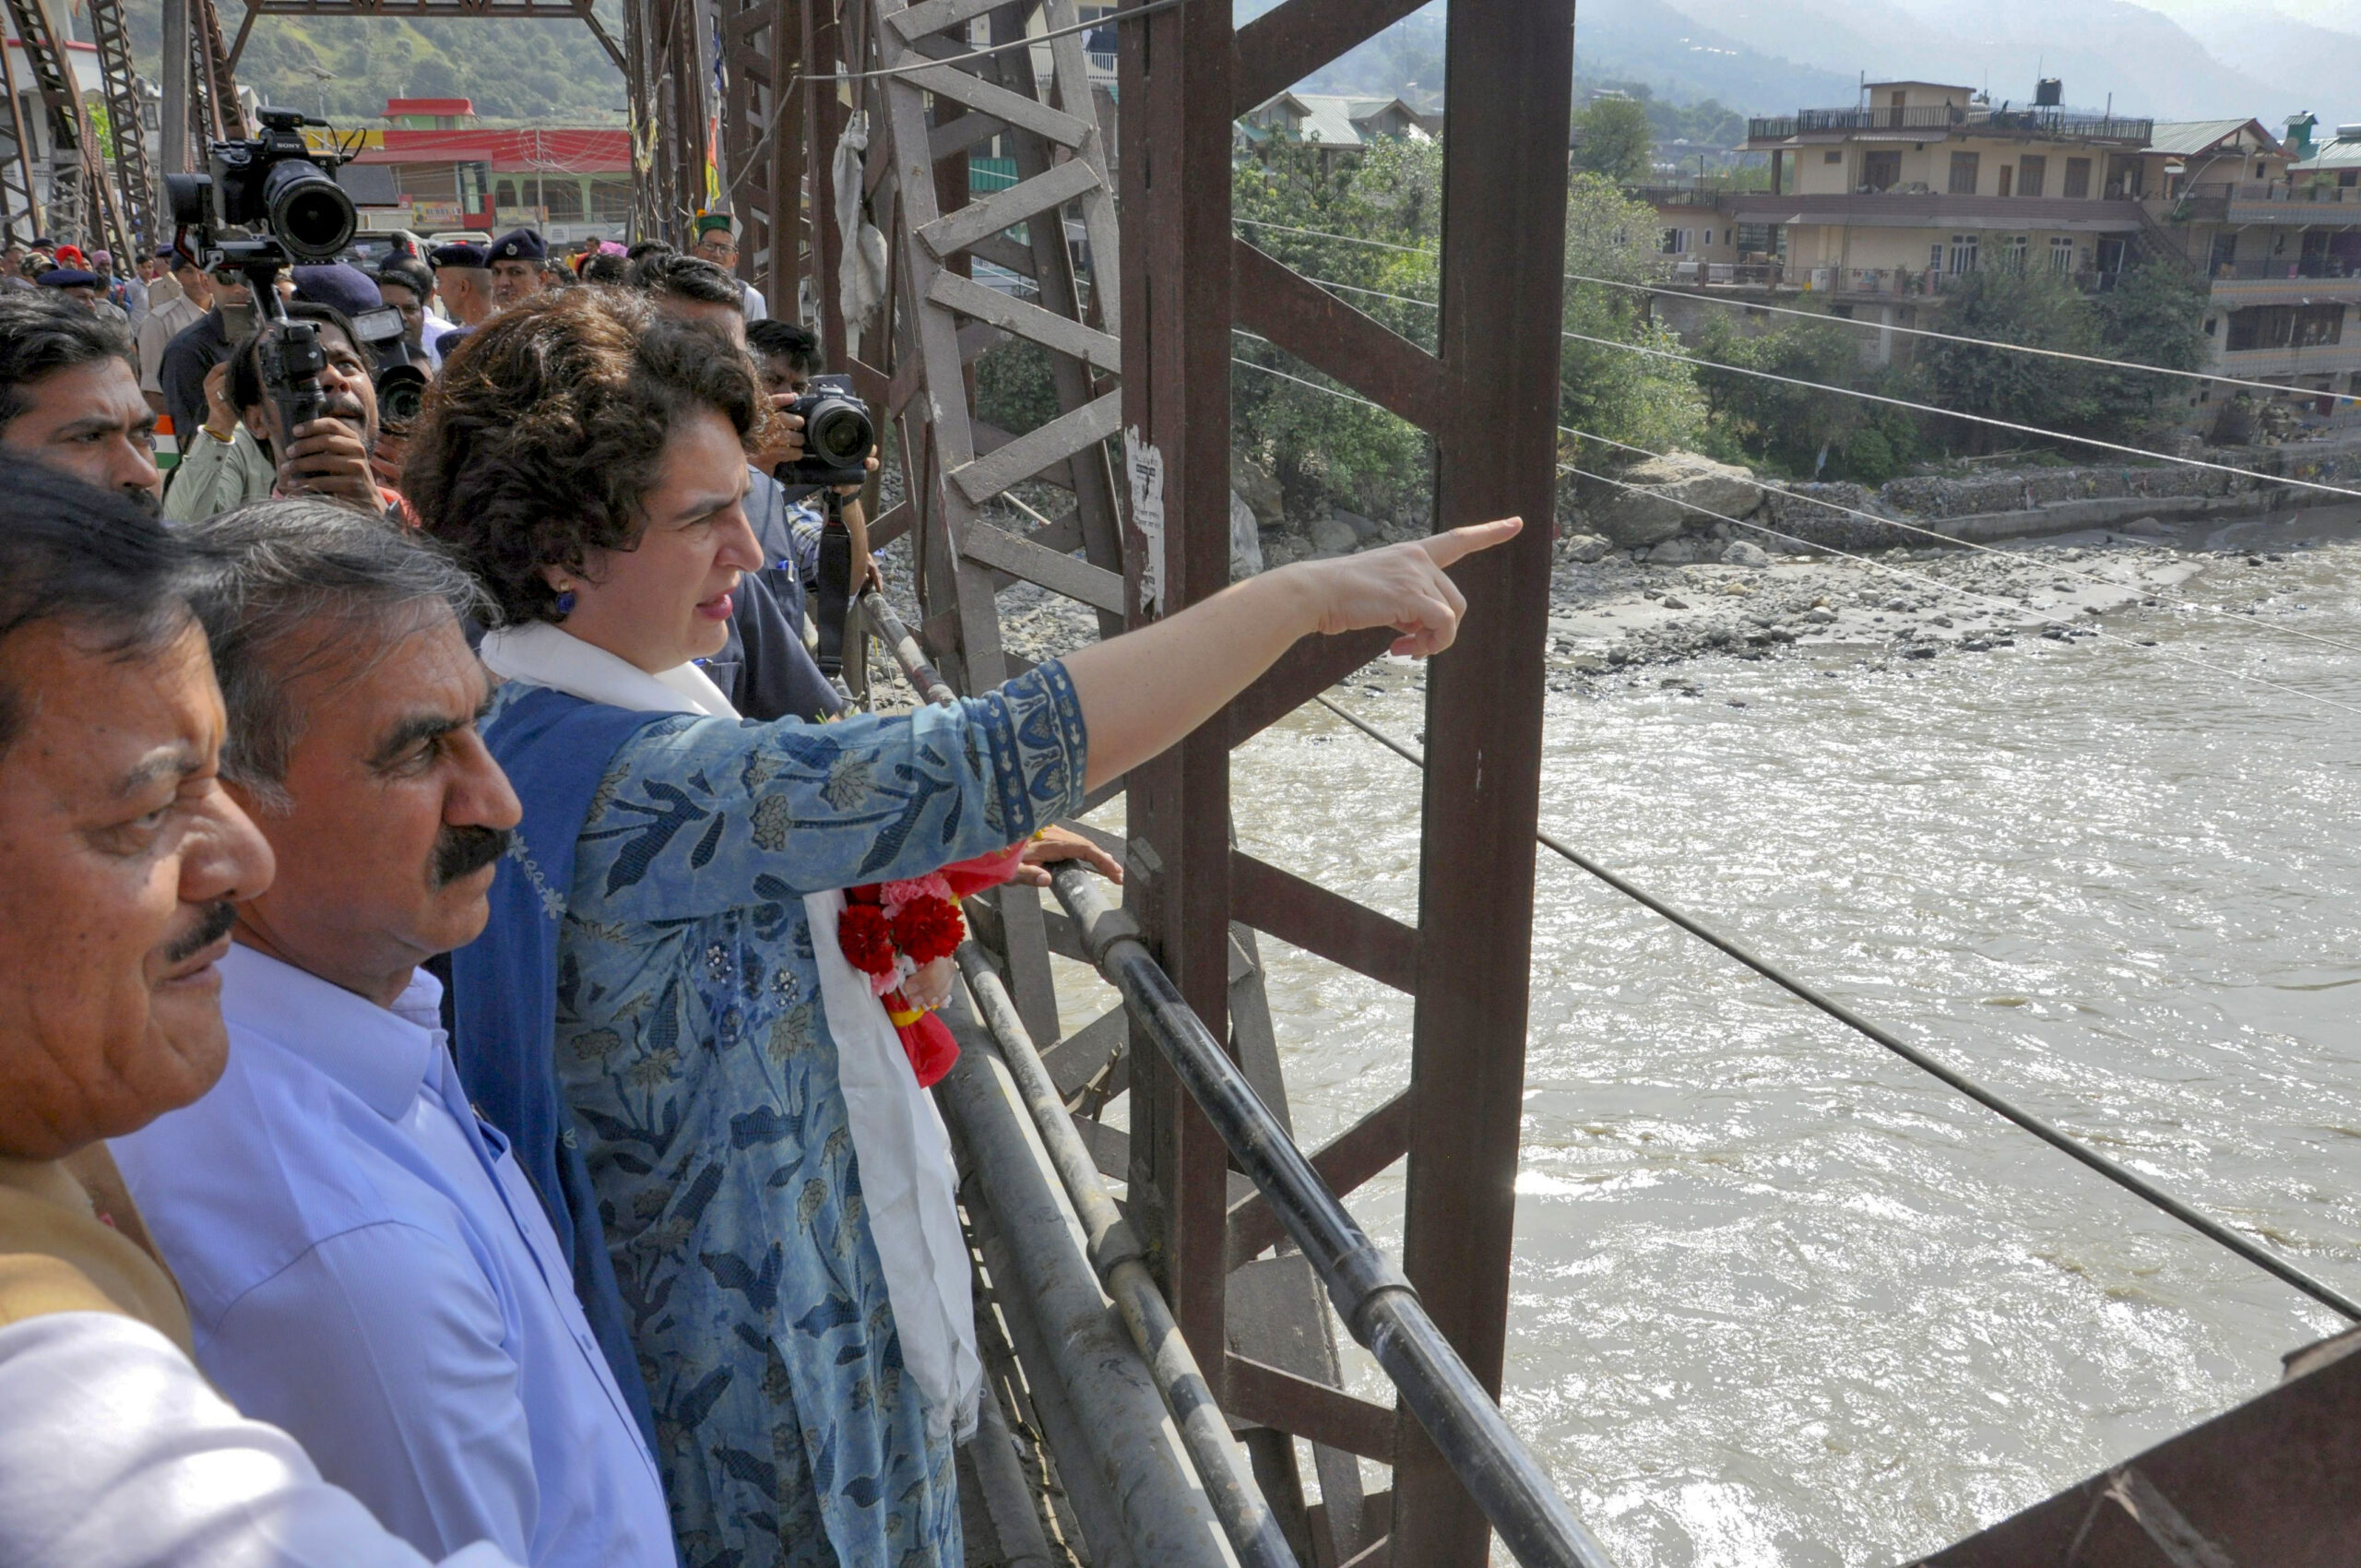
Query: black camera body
[
  {"x": 273, "y": 185},
  {"x": 838, "y": 435}
]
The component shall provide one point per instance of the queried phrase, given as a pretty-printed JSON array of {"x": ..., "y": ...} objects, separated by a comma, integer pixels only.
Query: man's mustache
[
  {"x": 462, "y": 851},
  {"x": 213, "y": 924}
]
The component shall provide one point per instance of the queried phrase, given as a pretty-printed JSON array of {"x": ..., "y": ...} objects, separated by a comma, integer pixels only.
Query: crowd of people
[{"x": 457, "y": 1097}]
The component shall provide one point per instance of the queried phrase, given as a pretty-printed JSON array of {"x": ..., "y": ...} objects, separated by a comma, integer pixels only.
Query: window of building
[
  {"x": 2008, "y": 173},
  {"x": 1673, "y": 241},
  {"x": 564, "y": 198},
  {"x": 1963, "y": 256},
  {"x": 1935, "y": 257},
  {"x": 1965, "y": 167},
  {"x": 2078, "y": 179},
  {"x": 2062, "y": 254},
  {"x": 1709, "y": 239},
  {"x": 2015, "y": 250},
  {"x": 1881, "y": 171},
  {"x": 2032, "y": 174},
  {"x": 2225, "y": 258},
  {"x": 505, "y": 194},
  {"x": 1835, "y": 155},
  {"x": 1755, "y": 239},
  {"x": 2319, "y": 326},
  {"x": 611, "y": 201}
]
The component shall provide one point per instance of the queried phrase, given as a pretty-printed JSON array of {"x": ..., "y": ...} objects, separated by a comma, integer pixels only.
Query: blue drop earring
[{"x": 565, "y": 605}]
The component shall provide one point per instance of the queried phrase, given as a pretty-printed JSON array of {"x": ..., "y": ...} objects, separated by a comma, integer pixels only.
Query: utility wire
[
  {"x": 1129, "y": 14},
  {"x": 1938, "y": 584},
  {"x": 2230, "y": 616},
  {"x": 1942, "y": 337},
  {"x": 2065, "y": 1143},
  {"x": 2276, "y": 391},
  {"x": 2178, "y": 602},
  {"x": 1954, "y": 414},
  {"x": 1880, "y": 398}
]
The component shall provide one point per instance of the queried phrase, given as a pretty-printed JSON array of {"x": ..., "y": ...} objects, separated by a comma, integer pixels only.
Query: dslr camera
[
  {"x": 275, "y": 187},
  {"x": 838, "y": 435}
]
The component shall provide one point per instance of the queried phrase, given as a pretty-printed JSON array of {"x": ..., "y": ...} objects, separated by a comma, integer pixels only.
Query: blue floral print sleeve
[{"x": 697, "y": 1060}]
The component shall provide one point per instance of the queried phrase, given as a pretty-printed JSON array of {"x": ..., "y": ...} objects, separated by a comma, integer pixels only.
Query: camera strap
[{"x": 832, "y": 596}]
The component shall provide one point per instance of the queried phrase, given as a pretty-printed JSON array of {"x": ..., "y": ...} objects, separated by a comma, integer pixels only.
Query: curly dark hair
[{"x": 546, "y": 429}]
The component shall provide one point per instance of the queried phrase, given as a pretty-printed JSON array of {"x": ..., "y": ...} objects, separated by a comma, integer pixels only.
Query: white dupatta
[{"x": 907, "y": 1180}]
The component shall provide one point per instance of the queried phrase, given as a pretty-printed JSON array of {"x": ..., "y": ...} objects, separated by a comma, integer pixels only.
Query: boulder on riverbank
[{"x": 1669, "y": 495}]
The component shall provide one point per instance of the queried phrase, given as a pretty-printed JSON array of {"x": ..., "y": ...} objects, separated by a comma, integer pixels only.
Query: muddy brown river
[{"x": 1778, "y": 1298}]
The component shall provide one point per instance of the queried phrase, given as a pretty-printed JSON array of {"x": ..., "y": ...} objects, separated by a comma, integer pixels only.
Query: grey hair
[{"x": 278, "y": 567}]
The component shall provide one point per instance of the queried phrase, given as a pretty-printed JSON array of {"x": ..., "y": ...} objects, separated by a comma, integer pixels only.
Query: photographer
[
  {"x": 180, "y": 371},
  {"x": 328, "y": 456},
  {"x": 405, "y": 284}
]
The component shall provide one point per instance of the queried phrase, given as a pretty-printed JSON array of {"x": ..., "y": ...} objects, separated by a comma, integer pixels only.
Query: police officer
[
  {"x": 463, "y": 281},
  {"x": 519, "y": 262}
]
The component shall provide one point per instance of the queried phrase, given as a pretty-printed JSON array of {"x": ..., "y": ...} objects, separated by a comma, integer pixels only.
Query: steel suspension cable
[
  {"x": 1127, "y": 13},
  {"x": 1940, "y": 586},
  {"x": 1919, "y": 577},
  {"x": 2230, "y": 616},
  {"x": 1941, "y": 336},
  {"x": 1789, "y": 310},
  {"x": 1986, "y": 420},
  {"x": 2065, "y": 1143}
]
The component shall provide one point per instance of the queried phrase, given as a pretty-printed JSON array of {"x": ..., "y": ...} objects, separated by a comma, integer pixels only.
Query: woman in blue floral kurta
[
  {"x": 697, "y": 1059},
  {"x": 585, "y": 458}
]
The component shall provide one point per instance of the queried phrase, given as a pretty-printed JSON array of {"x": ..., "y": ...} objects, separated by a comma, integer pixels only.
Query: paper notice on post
[{"x": 1146, "y": 466}]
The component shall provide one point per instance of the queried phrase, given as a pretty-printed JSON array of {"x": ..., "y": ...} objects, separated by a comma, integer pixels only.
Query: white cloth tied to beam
[{"x": 907, "y": 1178}]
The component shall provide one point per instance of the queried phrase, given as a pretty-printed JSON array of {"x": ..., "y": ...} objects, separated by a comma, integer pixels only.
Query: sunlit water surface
[{"x": 1778, "y": 1298}]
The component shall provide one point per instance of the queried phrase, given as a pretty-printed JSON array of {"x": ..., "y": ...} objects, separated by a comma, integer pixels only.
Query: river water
[{"x": 1778, "y": 1298}]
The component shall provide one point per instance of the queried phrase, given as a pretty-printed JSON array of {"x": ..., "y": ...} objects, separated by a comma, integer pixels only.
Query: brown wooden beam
[
  {"x": 1319, "y": 922},
  {"x": 1264, "y": 1395},
  {"x": 1329, "y": 335},
  {"x": 1347, "y": 1161}
]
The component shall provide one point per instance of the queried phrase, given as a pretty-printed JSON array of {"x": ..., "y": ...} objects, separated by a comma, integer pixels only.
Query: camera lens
[
  {"x": 309, "y": 211},
  {"x": 840, "y": 433},
  {"x": 401, "y": 392}
]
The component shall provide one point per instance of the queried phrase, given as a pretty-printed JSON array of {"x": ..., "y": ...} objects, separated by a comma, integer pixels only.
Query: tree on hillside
[
  {"x": 1613, "y": 137},
  {"x": 1643, "y": 399},
  {"x": 2155, "y": 314},
  {"x": 2036, "y": 307}
]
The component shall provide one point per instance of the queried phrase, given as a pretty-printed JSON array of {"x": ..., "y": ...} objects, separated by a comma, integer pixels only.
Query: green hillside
[{"x": 514, "y": 70}]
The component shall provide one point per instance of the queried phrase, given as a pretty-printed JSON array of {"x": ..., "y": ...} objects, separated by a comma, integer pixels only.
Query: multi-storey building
[
  {"x": 1923, "y": 182},
  {"x": 1880, "y": 207}
]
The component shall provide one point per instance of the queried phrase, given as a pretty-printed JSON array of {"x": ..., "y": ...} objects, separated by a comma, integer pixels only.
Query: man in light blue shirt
[{"x": 365, "y": 1264}]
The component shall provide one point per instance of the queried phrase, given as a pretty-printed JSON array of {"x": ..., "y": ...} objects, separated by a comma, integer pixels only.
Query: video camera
[
  {"x": 838, "y": 435},
  {"x": 276, "y": 187}
]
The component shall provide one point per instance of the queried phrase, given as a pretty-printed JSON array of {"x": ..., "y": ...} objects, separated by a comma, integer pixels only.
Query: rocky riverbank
[{"x": 1613, "y": 618}]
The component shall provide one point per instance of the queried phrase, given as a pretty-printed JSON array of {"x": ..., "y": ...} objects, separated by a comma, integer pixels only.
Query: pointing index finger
[{"x": 1447, "y": 549}]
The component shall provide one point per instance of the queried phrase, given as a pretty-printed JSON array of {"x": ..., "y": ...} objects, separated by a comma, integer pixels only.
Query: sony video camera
[
  {"x": 273, "y": 185},
  {"x": 838, "y": 435},
  {"x": 282, "y": 202}
]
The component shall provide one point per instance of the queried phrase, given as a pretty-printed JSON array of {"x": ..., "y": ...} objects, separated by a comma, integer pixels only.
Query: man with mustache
[
  {"x": 229, "y": 461},
  {"x": 366, "y": 1264},
  {"x": 122, "y": 863},
  {"x": 69, "y": 395}
]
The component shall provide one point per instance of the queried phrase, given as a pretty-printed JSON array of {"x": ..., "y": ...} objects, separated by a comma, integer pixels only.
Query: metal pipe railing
[
  {"x": 1375, "y": 1301},
  {"x": 1114, "y": 1250},
  {"x": 1165, "y": 1516},
  {"x": 905, "y": 648},
  {"x": 1115, "y": 1253}
]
